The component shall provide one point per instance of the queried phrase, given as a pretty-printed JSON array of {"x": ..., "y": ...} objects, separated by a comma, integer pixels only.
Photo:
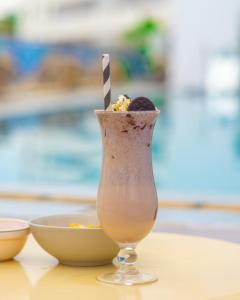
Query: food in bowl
[
  {"x": 13, "y": 236},
  {"x": 76, "y": 225},
  {"x": 74, "y": 246}
]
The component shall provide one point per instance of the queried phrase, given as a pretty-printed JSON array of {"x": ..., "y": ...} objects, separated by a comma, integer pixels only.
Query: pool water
[{"x": 196, "y": 150}]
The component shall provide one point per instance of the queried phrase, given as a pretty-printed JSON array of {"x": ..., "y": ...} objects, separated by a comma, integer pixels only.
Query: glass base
[{"x": 127, "y": 278}]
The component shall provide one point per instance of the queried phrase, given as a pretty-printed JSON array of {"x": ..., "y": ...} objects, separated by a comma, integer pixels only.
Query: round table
[{"x": 187, "y": 267}]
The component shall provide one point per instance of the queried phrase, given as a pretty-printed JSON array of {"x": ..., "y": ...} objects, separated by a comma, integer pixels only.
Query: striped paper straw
[{"x": 106, "y": 80}]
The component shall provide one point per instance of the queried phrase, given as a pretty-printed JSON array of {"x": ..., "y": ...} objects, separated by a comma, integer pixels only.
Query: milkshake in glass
[{"x": 127, "y": 199}]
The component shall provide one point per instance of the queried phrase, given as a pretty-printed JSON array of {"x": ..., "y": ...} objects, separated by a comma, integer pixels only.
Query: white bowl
[
  {"x": 13, "y": 235},
  {"x": 74, "y": 246}
]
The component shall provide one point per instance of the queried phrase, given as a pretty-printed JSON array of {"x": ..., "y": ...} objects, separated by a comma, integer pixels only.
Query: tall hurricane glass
[{"x": 127, "y": 199}]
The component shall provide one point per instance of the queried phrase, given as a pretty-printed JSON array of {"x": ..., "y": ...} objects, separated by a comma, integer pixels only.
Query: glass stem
[{"x": 127, "y": 259}]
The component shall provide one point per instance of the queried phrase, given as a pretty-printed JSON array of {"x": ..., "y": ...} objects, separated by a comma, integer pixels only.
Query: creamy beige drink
[{"x": 127, "y": 198}]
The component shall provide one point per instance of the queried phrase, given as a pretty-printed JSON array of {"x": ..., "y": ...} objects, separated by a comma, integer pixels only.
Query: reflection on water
[
  {"x": 193, "y": 143},
  {"x": 236, "y": 142}
]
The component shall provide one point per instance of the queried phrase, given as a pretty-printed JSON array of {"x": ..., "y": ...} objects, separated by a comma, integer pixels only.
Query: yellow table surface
[{"x": 187, "y": 267}]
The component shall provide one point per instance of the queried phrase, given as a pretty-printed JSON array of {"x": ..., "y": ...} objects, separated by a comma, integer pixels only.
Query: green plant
[{"x": 140, "y": 35}]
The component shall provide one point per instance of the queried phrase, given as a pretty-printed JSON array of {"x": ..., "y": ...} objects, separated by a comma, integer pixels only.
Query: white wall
[{"x": 200, "y": 27}]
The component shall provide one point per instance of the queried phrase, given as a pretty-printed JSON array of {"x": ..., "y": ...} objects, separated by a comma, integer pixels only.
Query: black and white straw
[{"x": 106, "y": 80}]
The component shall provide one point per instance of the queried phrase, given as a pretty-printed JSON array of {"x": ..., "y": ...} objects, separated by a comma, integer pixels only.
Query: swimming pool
[{"x": 196, "y": 150}]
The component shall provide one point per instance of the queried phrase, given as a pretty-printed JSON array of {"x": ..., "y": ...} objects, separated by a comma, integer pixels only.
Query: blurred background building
[
  {"x": 183, "y": 54},
  {"x": 195, "y": 32}
]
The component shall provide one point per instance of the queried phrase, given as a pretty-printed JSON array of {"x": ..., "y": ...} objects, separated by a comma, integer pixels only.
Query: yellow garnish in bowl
[{"x": 91, "y": 226}]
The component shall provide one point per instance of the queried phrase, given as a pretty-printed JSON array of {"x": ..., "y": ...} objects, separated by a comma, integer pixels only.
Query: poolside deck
[{"x": 210, "y": 220}]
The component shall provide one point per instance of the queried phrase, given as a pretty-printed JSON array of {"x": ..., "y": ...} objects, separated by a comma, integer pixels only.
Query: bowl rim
[
  {"x": 23, "y": 225},
  {"x": 33, "y": 224}
]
